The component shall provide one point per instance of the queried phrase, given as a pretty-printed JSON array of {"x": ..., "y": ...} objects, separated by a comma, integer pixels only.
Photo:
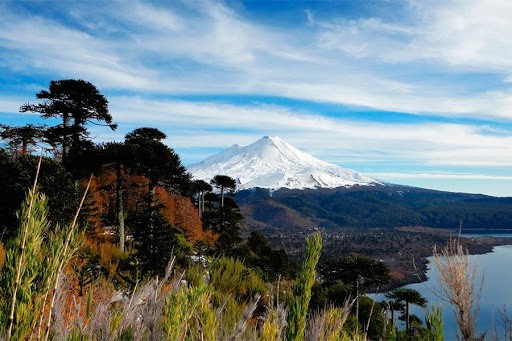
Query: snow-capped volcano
[{"x": 272, "y": 163}]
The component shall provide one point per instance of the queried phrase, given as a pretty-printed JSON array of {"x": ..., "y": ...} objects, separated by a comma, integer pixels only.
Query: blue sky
[{"x": 411, "y": 92}]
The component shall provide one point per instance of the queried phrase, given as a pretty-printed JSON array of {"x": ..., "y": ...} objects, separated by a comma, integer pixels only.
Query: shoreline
[{"x": 475, "y": 246}]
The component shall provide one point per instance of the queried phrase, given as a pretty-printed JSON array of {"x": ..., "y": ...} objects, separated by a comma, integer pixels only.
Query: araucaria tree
[
  {"x": 223, "y": 182},
  {"x": 117, "y": 156},
  {"x": 201, "y": 187},
  {"x": 161, "y": 166},
  {"x": 224, "y": 219},
  {"x": 408, "y": 297},
  {"x": 359, "y": 272},
  {"x": 75, "y": 102},
  {"x": 156, "y": 161},
  {"x": 21, "y": 139}
]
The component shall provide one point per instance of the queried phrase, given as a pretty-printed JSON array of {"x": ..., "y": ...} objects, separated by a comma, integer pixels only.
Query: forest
[
  {"x": 386, "y": 206},
  {"x": 116, "y": 241}
]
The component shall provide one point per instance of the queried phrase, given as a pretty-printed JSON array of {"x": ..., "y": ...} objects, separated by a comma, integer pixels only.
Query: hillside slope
[{"x": 381, "y": 206}]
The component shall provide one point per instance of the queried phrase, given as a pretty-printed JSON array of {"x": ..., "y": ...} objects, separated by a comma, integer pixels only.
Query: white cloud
[
  {"x": 466, "y": 33},
  {"x": 396, "y": 175},
  {"x": 10, "y": 104},
  {"x": 208, "y": 124},
  {"x": 208, "y": 47}
]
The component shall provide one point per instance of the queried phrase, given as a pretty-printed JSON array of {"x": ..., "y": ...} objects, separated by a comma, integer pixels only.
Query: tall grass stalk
[
  {"x": 459, "y": 285},
  {"x": 274, "y": 324},
  {"x": 302, "y": 289},
  {"x": 25, "y": 227},
  {"x": 327, "y": 324},
  {"x": 65, "y": 255},
  {"x": 34, "y": 262}
]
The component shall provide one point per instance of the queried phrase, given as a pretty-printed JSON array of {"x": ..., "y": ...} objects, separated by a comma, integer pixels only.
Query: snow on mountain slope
[{"x": 272, "y": 163}]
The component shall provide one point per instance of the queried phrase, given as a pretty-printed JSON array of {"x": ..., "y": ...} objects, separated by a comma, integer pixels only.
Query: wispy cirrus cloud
[
  {"x": 334, "y": 139},
  {"x": 208, "y": 47},
  {"x": 457, "y": 176}
]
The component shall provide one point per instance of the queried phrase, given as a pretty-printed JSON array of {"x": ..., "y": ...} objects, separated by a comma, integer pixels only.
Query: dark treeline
[{"x": 390, "y": 206}]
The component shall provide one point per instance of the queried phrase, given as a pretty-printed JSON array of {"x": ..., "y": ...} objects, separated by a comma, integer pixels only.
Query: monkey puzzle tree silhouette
[
  {"x": 360, "y": 272},
  {"x": 20, "y": 139},
  {"x": 76, "y": 102},
  {"x": 201, "y": 187},
  {"x": 223, "y": 182},
  {"x": 408, "y": 296}
]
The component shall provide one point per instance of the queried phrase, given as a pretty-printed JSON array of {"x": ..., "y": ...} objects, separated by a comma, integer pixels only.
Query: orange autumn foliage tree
[
  {"x": 181, "y": 213},
  {"x": 100, "y": 203},
  {"x": 178, "y": 210}
]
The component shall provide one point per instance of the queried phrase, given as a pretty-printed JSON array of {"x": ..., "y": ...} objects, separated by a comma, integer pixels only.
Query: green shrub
[
  {"x": 230, "y": 276},
  {"x": 434, "y": 323},
  {"x": 302, "y": 289},
  {"x": 34, "y": 260}
]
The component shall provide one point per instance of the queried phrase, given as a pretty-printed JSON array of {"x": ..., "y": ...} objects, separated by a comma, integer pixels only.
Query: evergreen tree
[
  {"x": 156, "y": 248},
  {"x": 226, "y": 221},
  {"x": 201, "y": 187},
  {"x": 408, "y": 297},
  {"x": 360, "y": 272},
  {"x": 54, "y": 180},
  {"x": 76, "y": 102},
  {"x": 223, "y": 182},
  {"x": 272, "y": 262},
  {"x": 162, "y": 167},
  {"x": 83, "y": 159},
  {"x": 156, "y": 161},
  {"x": 21, "y": 139},
  {"x": 117, "y": 156}
]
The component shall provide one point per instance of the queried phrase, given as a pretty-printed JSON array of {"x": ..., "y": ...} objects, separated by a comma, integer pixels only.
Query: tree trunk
[
  {"x": 407, "y": 326},
  {"x": 24, "y": 148},
  {"x": 120, "y": 207},
  {"x": 222, "y": 196},
  {"x": 199, "y": 203},
  {"x": 357, "y": 298},
  {"x": 151, "y": 207},
  {"x": 65, "y": 138}
]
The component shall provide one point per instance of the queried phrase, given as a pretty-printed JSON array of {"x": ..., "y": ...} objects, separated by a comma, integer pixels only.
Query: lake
[{"x": 496, "y": 268}]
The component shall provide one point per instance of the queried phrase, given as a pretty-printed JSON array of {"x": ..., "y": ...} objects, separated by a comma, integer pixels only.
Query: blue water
[
  {"x": 496, "y": 269},
  {"x": 487, "y": 234}
]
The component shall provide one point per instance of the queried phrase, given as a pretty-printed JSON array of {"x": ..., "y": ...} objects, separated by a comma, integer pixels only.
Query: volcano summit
[{"x": 273, "y": 163}]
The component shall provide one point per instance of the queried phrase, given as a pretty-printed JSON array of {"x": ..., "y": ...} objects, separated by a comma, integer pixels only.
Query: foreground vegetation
[{"x": 213, "y": 299}]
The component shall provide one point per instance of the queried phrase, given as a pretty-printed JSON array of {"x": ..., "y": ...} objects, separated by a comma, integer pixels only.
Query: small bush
[{"x": 230, "y": 276}]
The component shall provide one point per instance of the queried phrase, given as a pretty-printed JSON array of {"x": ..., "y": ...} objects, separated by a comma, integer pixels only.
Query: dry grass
[
  {"x": 460, "y": 285},
  {"x": 327, "y": 324}
]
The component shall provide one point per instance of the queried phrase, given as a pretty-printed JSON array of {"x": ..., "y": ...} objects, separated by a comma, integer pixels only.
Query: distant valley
[{"x": 396, "y": 224}]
